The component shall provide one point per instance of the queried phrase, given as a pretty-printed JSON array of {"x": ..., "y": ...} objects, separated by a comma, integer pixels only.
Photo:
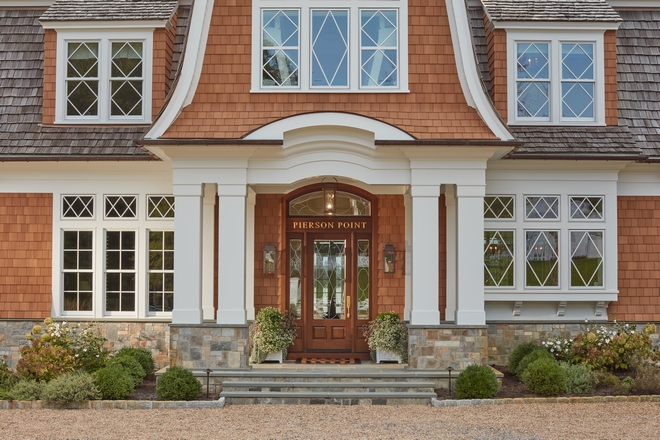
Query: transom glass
[
  {"x": 77, "y": 206},
  {"x": 346, "y": 204},
  {"x": 160, "y": 207},
  {"x": 541, "y": 207},
  {"x": 120, "y": 207},
  {"x": 499, "y": 207},
  {"x": 586, "y": 208}
]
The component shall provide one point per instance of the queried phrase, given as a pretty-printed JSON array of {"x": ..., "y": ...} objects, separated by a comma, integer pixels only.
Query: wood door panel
[
  {"x": 338, "y": 333},
  {"x": 319, "y": 333}
]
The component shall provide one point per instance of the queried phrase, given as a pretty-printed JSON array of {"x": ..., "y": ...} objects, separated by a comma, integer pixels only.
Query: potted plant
[
  {"x": 271, "y": 333},
  {"x": 387, "y": 337}
]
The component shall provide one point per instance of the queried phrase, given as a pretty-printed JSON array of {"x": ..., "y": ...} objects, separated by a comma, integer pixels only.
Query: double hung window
[
  {"x": 556, "y": 80},
  {"x": 354, "y": 45}
]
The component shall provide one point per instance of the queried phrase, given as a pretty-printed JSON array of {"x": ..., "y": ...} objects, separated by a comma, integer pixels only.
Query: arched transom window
[{"x": 346, "y": 204}]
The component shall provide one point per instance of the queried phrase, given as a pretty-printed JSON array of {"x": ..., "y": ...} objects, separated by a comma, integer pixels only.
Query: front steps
[{"x": 365, "y": 384}]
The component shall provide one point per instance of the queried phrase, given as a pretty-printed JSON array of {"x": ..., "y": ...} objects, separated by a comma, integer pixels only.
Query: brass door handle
[{"x": 348, "y": 307}]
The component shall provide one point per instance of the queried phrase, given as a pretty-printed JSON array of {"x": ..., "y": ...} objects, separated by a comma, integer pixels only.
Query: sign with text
[{"x": 329, "y": 224}]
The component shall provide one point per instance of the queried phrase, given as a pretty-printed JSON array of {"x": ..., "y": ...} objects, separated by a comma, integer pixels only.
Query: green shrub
[
  {"x": 113, "y": 382},
  {"x": 477, "y": 382},
  {"x": 535, "y": 355},
  {"x": 131, "y": 366},
  {"x": 624, "y": 387},
  {"x": 606, "y": 379},
  {"x": 544, "y": 377},
  {"x": 647, "y": 379},
  {"x": 271, "y": 332},
  {"x": 519, "y": 353},
  {"x": 388, "y": 332},
  {"x": 71, "y": 387},
  {"x": 580, "y": 378},
  {"x": 26, "y": 389},
  {"x": 87, "y": 346},
  {"x": 140, "y": 354},
  {"x": 7, "y": 377},
  {"x": 44, "y": 362},
  {"x": 178, "y": 384}
]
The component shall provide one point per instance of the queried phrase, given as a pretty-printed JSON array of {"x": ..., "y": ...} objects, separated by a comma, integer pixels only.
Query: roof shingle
[
  {"x": 550, "y": 10},
  {"x": 81, "y": 10}
]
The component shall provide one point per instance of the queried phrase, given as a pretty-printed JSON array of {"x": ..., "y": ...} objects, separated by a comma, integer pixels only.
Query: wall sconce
[
  {"x": 270, "y": 258},
  {"x": 389, "y": 259},
  {"x": 329, "y": 197}
]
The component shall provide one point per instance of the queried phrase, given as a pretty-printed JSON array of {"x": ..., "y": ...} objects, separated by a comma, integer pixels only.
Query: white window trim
[
  {"x": 515, "y": 260},
  {"x": 136, "y": 271},
  {"x": 503, "y": 219},
  {"x": 104, "y": 38},
  {"x": 137, "y": 207},
  {"x": 146, "y": 207},
  {"x": 591, "y": 220},
  {"x": 94, "y": 206},
  {"x": 545, "y": 219},
  {"x": 570, "y": 261},
  {"x": 147, "y": 271},
  {"x": 555, "y": 38},
  {"x": 304, "y": 75},
  {"x": 62, "y": 271}
]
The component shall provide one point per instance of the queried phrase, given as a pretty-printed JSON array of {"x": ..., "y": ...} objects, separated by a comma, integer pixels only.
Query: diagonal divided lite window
[
  {"x": 77, "y": 207},
  {"x": 587, "y": 258},
  {"x": 577, "y": 81},
  {"x": 542, "y": 258},
  {"x": 499, "y": 258},
  {"x": 82, "y": 79},
  {"x": 329, "y": 48},
  {"x": 533, "y": 80},
  {"x": 499, "y": 207},
  {"x": 160, "y": 207},
  {"x": 541, "y": 207},
  {"x": 586, "y": 208},
  {"x": 280, "y": 48},
  {"x": 126, "y": 79},
  {"x": 379, "y": 45},
  {"x": 120, "y": 207}
]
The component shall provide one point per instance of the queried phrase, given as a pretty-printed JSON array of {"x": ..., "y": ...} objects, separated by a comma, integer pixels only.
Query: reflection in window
[
  {"x": 329, "y": 48},
  {"x": 280, "y": 48},
  {"x": 586, "y": 208},
  {"x": 120, "y": 271},
  {"x": 533, "y": 80},
  {"x": 541, "y": 207},
  {"x": 379, "y": 44},
  {"x": 363, "y": 279},
  {"x": 346, "y": 204},
  {"x": 577, "y": 81},
  {"x": 161, "y": 271},
  {"x": 160, "y": 207},
  {"x": 77, "y": 206},
  {"x": 77, "y": 270},
  {"x": 126, "y": 79},
  {"x": 498, "y": 258},
  {"x": 586, "y": 258},
  {"x": 542, "y": 258},
  {"x": 295, "y": 277},
  {"x": 329, "y": 279},
  {"x": 498, "y": 207},
  {"x": 82, "y": 79}
]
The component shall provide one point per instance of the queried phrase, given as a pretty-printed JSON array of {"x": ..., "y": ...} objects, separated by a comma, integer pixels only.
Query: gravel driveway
[{"x": 534, "y": 421}]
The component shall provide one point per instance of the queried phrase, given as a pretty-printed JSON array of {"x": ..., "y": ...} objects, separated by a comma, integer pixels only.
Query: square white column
[
  {"x": 450, "y": 252},
  {"x": 470, "y": 236},
  {"x": 407, "y": 202},
  {"x": 249, "y": 253},
  {"x": 208, "y": 250},
  {"x": 188, "y": 254},
  {"x": 425, "y": 251},
  {"x": 231, "y": 254}
]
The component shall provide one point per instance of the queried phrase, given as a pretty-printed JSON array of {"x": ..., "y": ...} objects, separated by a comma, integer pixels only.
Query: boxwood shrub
[
  {"x": 477, "y": 382},
  {"x": 544, "y": 377},
  {"x": 71, "y": 387},
  {"x": 535, "y": 355},
  {"x": 178, "y": 384},
  {"x": 131, "y": 366},
  {"x": 519, "y": 353},
  {"x": 113, "y": 382},
  {"x": 140, "y": 354}
]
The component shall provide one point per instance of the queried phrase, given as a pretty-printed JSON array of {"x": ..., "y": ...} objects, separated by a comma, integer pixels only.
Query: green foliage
[
  {"x": 388, "y": 332},
  {"x": 647, "y": 379},
  {"x": 535, "y": 355},
  {"x": 140, "y": 354},
  {"x": 605, "y": 379},
  {"x": 87, "y": 346},
  {"x": 113, "y": 382},
  {"x": 131, "y": 366},
  {"x": 271, "y": 332},
  {"x": 545, "y": 377},
  {"x": 580, "y": 378},
  {"x": 621, "y": 347},
  {"x": 477, "y": 382},
  {"x": 26, "y": 389},
  {"x": 625, "y": 387},
  {"x": 561, "y": 348},
  {"x": 7, "y": 377},
  {"x": 71, "y": 387},
  {"x": 178, "y": 384},
  {"x": 519, "y": 353},
  {"x": 44, "y": 362}
]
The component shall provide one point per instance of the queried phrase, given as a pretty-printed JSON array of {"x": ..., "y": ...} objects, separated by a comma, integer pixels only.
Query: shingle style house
[{"x": 168, "y": 168}]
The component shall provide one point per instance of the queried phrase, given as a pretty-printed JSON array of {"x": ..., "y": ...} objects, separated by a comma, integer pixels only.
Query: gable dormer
[{"x": 107, "y": 62}]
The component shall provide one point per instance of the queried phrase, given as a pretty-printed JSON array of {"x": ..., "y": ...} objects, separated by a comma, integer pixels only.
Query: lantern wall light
[
  {"x": 270, "y": 258},
  {"x": 389, "y": 259}
]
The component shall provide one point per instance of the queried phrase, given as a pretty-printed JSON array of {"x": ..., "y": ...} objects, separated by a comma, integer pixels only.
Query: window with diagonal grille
[
  {"x": 586, "y": 208},
  {"x": 587, "y": 258},
  {"x": 280, "y": 48},
  {"x": 120, "y": 207},
  {"x": 542, "y": 258},
  {"x": 577, "y": 81},
  {"x": 82, "y": 79},
  {"x": 379, "y": 48},
  {"x": 126, "y": 78},
  {"x": 541, "y": 207},
  {"x": 533, "y": 80},
  {"x": 160, "y": 207},
  {"x": 498, "y": 258},
  {"x": 77, "y": 207},
  {"x": 499, "y": 207}
]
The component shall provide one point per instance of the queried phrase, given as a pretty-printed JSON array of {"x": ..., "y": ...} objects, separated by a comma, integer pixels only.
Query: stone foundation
[
  {"x": 209, "y": 346},
  {"x": 439, "y": 347}
]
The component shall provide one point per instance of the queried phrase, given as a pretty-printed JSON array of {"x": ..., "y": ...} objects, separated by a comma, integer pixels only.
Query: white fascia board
[
  {"x": 468, "y": 74},
  {"x": 634, "y": 4},
  {"x": 186, "y": 86},
  {"x": 96, "y": 25},
  {"x": 548, "y": 295},
  {"x": 570, "y": 26},
  {"x": 25, "y": 3}
]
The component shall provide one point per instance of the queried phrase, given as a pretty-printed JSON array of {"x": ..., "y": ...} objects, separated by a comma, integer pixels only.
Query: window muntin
[
  {"x": 499, "y": 262},
  {"x": 533, "y": 80},
  {"x": 499, "y": 207},
  {"x": 586, "y": 207},
  {"x": 541, "y": 207},
  {"x": 295, "y": 277},
  {"x": 126, "y": 78},
  {"x": 363, "y": 279},
  {"x": 82, "y": 79},
  {"x": 346, "y": 204},
  {"x": 347, "y": 47},
  {"x": 117, "y": 207},
  {"x": 120, "y": 271},
  {"x": 161, "y": 271},
  {"x": 78, "y": 271},
  {"x": 587, "y": 258},
  {"x": 75, "y": 207},
  {"x": 577, "y": 81},
  {"x": 160, "y": 207},
  {"x": 542, "y": 258}
]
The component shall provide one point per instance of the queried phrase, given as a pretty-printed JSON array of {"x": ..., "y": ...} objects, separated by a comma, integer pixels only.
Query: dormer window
[
  {"x": 103, "y": 77},
  {"x": 556, "y": 78}
]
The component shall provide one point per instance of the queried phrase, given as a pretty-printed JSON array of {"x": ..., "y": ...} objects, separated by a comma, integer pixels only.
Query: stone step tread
[
  {"x": 333, "y": 384},
  {"x": 327, "y": 395},
  {"x": 334, "y": 374}
]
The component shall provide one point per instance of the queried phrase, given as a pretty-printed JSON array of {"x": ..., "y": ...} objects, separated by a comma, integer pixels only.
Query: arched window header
[{"x": 346, "y": 204}]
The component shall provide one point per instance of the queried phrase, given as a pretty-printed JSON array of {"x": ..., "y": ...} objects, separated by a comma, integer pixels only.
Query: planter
[
  {"x": 279, "y": 357},
  {"x": 386, "y": 356}
]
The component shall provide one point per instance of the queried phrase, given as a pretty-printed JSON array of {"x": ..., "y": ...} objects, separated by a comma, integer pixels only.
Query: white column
[
  {"x": 208, "y": 248},
  {"x": 470, "y": 236},
  {"x": 407, "y": 202},
  {"x": 450, "y": 205},
  {"x": 187, "y": 255},
  {"x": 231, "y": 254},
  {"x": 249, "y": 253},
  {"x": 425, "y": 251}
]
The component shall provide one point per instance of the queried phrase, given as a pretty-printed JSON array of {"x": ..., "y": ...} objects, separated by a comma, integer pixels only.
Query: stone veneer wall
[
  {"x": 209, "y": 346},
  {"x": 439, "y": 347}
]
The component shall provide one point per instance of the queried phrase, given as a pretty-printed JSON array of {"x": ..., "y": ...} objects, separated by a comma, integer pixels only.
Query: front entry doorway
[{"x": 331, "y": 286}]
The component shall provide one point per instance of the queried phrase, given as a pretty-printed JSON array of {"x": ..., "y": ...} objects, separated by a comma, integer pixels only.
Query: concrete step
[
  {"x": 327, "y": 398},
  {"x": 329, "y": 386}
]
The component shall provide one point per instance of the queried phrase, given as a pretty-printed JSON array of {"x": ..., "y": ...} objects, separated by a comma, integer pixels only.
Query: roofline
[
  {"x": 105, "y": 24},
  {"x": 575, "y": 156},
  {"x": 634, "y": 4},
  {"x": 25, "y": 4},
  {"x": 207, "y": 141},
  {"x": 76, "y": 158},
  {"x": 556, "y": 25},
  {"x": 450, "y": 142}
]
